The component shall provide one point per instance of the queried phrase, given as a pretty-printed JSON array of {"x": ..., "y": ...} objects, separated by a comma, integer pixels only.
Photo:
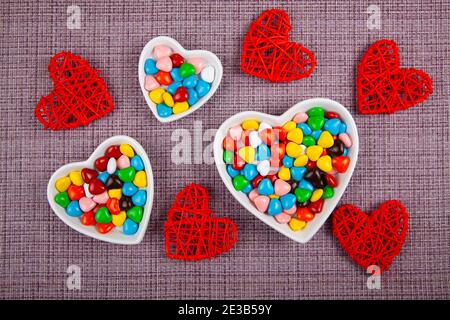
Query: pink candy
[
  {"x": 150, "y": 83},
  {"x": 123, "y": 162},
  {"x": 161, "y": 51},
  {"x": 198, "y": 64},
  {"x": 164, "y": 64}
]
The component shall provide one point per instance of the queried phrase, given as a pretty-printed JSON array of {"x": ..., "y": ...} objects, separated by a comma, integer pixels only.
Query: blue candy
[
  {"x": 345, "y": 153},
  {"x": 193, "y": 97},
  {"x": 73, "y": 209},
  {"x": 202, "y": 88},
  {"x": 297, "y": 173},
  {"x": 130, "y": 227},
  {"x": 288, "y": 201},
  {"x": 173, "y": 87},
  {"x": 342, "y": 128},
  {"x": 265, "y": 187},
  {"x": 316, "y": 134},
  {"x": 332, "y": 125},
  {"x": 305, "y": 128},
  {"x": 190, "y": 82},
  {"x": 128, "y": 189},
  {"x": 232, "y": 172},
  {"x": 288, "y": 161},
  {"x": 137, "y": 163},
  {"x": 249, "y": 171},
  {"x": 139, "y": 198},
  {"x": 103, "y": 177},
  {"x": 175, "y": 74},
  {"x": 262, "y": 153},
  {"x": 274, "y": 207},
  {"x": 306, "y": 185},
  {"x": 163, "y": 110},
  {"x": 248, "y": 188},
  {"x": 150, "y": 67}
]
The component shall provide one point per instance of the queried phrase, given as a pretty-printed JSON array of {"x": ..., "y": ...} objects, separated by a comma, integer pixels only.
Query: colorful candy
[
  {"x": 288, "y": 172},
  {"x": 111, "y": 195},
  {"x": 174, "y": 83}
]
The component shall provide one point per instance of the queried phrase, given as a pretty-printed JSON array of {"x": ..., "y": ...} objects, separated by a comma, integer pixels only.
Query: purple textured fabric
[{"x": 403, "y": 156}]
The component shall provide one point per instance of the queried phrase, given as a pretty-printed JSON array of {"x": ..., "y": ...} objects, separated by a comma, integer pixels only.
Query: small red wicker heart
[
  {"x": 79, "y": 94},
  {"x": 374, "y": 239},
  {"x": 267, "y": 52},
  {"x": 383, "y": 87},
  {"x": 191, "y": 232}
]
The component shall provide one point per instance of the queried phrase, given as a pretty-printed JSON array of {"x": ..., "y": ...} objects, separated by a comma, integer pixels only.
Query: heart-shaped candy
[
  {"x": 383, "y": 87},
  {"x": 79, "y": 205},
  {"x": 375, "y": 238},
  {"x": 290, "y": 183},
  {"x": 184, "y": 63}
]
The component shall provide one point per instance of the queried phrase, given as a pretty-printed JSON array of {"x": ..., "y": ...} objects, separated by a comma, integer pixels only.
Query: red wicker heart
[
  {"x": 191, "y": 232},
  {"x": 79, "y": 94},
  {"x": 383, "y": 87},
  {"x": 267, "y": 52},
  {"x": 374, "y": 239}
]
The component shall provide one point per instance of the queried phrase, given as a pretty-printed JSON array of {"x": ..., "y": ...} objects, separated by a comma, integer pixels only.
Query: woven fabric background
[{"x": 403, "y": 156}]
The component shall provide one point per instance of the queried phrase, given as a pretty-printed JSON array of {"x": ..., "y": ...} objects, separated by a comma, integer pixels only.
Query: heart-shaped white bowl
[
  {"x": 116, "y": 235},
  {"x": 313, "y": 226},
  {"x": 208, "y": 56}
]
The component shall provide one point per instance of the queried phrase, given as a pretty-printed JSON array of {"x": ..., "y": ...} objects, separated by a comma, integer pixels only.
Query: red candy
[
  {"x": 163, "y": 78},
  {"x": 88, "y": 218},
  {"x": 304, "y": 214},
  {"x": 104, "y": 227},
  {"x": 229, "y": 144},
  {"x": 331, "y": 115},
  {"x": 256, "y": 180},
  {"x": 101, "y": 163},
  {"x": 113, "y": 205},
  {"x": 75, "y": 192},
  {"x": 88, "y": 174},
  {"x": 96, "y": 186},
  {"x": 177, "y": 60},
  {"x": 316, "y": 207},
  {"x": 331, "y": 180},
  {"x": 238, "y": 163},
  {"x": 340, "y": 163},
  {"x": 268, "y": 136},
  {"x": 180, "y": 95},
  {"x": 311, "y": 165},
  {"x": 246, "y": 138},
  {"x": 281, "y": 133},
  {"x": 278, "y": 151},
  {"x": 113, "y": 152}
]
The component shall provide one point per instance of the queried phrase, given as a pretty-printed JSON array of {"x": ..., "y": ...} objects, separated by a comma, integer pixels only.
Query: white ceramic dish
[
  {"x": 209, "y": 57},
  {"x": 116, "y": 235},
  {"x": 312, "y": 227}
]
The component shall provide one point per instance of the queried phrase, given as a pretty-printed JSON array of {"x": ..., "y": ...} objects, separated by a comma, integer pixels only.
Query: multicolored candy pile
[
  {"x": 174, "y": 83},
  {"x": 111, "y": 195},
  {"x": 288, "y": 171}
]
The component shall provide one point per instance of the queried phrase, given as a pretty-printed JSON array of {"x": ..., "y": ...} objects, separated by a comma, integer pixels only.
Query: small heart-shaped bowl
[
  {"x": 209, "y": 57},
  {"x": 313, "y": 226},
  {"x": 116, "y": 235}
]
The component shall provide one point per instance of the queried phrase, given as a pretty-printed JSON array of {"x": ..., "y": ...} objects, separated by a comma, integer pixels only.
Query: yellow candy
[
  {"x": 115, "y": 193},
  {"x": 274, "y": 196},
  {"x": 168, "y": 100},
  {"x": 284, "y": 174},
  {"x": 248, "y": 154},
  {"x": 180, "y": 107},
  {"x": 140, "y": 179},
  {"x": 250, "y": 124},
  {"x": 316, "y": 195},
  {"x": 324, "y": 164},
  {"x": 127, "y": 150},
  {"x": 290, "y": 125},
  {"x": 325, "y": 140},
  {"x": 296, "y": 224},
  {"x": 295, "y": 135},
  {"x": 301, "y": 161},
  {"x": 62, "y": 184},
  {"x": 75, "y": 177},
  {"x": 157, "y": 95},
  {"x": 119, "y": 219},
  {"x": 314, "y": 152},
  {"x": 293, "y": 150}
]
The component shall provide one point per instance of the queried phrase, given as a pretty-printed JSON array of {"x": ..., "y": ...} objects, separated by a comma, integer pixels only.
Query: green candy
[
  {"x": 316, "y": 112},
  {"x": 316, "y": 122},
  {"x": 328, "y": 192},
  {"x": 186, "y": 70},
  {"x": 228, "y": 156},
  {"x": 239, "y": 182},
  {"x": 127, "y": 174},
  {"x": 302, "y": 194},
  {"x": 308, "y": 141},
  {"x": 103, "y": 216},
  {"x": 135, "y": 214},
  {"x": 62, "y": 199}
]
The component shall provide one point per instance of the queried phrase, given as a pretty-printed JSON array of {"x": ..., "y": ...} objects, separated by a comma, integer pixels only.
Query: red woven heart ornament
[
  {"x": 192, "y": 232},
  {"x": 383, "y": 87},
  {"x": 79, "y": 94},
  {"x": 374, "y": 239},
  {"x": 267, "y": 52}
]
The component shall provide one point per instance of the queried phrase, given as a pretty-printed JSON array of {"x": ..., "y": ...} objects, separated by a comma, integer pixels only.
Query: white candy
[
  {"x": 111, "y": 166},
  {"x": 303, "y": 148},
  {"x": 263, "y": 167},
  {"x": 264, "y": 125},
  {"x": 254, "y": 139},
  {"x": 207, "y": 74},
  {"x": 86, "y": 191}
]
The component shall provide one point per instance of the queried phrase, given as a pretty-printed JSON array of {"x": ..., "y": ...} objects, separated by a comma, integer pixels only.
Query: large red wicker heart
[
  {"x": 374, "y": 239},
  {"x": 79, "y": 94},
  {"x": 267, "y": 52},
  {"x": 383, "y": 87},
  {"x": 192, "y": 232}
]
